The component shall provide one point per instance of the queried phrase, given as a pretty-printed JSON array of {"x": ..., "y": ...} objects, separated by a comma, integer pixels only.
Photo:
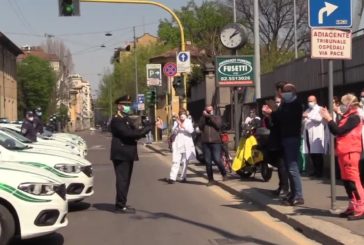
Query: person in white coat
[
  {"x": 183, "y": 148},
  {"x": 315, "y": 137}
]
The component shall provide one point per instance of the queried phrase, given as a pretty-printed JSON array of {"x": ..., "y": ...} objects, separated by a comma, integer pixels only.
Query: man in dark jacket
[
  {"x": 38, "y": 124},
  {"x": 124, "y": 150},
  {"x": 28, "y": 128},
  {"x": 210, "y": 126}
]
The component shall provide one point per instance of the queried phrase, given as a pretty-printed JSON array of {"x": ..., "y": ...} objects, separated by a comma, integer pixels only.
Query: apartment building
[{"x": 8, "y": 84}]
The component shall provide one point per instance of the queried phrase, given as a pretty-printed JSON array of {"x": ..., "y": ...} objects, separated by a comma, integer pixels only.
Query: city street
[{"x": 188, "y": 213}]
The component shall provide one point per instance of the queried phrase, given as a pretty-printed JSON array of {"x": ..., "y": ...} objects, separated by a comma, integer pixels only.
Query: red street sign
[{"x": 170, "y": 69}]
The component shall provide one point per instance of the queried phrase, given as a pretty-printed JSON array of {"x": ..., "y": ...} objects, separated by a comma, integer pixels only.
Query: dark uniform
[
  {"x": 28, "y": 127},
  {"x": 38, "y": 124},
  {"x": 124, "y": 151}
]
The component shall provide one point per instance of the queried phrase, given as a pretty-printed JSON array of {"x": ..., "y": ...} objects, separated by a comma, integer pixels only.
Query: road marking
[
  {"x": 261, "y": 216},
  {"x": 97, "y": 147}
]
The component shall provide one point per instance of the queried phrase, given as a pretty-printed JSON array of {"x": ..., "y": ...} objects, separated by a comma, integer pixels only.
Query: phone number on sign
[{"x": 243, "y": 78}]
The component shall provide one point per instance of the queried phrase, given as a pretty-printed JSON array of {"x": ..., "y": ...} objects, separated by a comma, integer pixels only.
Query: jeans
[
  {"x": 149, "y": 137},
  {"x": 291, "y": 149},
  {"x": 212, "y": 152}
]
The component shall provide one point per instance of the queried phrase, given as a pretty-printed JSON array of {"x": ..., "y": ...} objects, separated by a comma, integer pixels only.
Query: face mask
[
  {"x": 126, "y": 109},
  {"x": 344, "y": 108},
  {"x": 287, "y": 96},
  {"x": 31, "y": 119},
  {"x": 311, "y": 104},
  {"x": 39, "y": 113},
  {"x": 182, "y": 117}
]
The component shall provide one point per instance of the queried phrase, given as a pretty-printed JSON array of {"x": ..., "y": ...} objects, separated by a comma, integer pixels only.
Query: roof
[
  {"x": 194, "y": 51},
  {"x": 6, "y": 42},
  {"x": 38, "y": 52}
]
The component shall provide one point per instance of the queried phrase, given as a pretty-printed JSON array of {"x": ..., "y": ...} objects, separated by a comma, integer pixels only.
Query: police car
[
  {"x": 31, "y": 204},
  {"x": 41, "y": 146},
  {"x": 73, "y": 147},
  {"x": 74, "y": 171}
]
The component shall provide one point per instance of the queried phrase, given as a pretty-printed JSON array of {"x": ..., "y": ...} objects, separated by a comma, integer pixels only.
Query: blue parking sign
[{"x": 330, "y": 13}]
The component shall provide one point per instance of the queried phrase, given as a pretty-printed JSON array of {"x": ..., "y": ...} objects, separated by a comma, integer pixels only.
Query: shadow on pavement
[
  {"x": 105, "y": 207},
  {"x": 315, "y": 212},
  {"x": 189, "y": 182},
  {"x": 78, "y": 206},
  {"x": 229, "y": 238},
  {"x": 54, "y": 239}
]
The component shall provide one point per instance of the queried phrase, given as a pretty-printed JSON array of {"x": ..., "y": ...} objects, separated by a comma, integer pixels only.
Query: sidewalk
[{"x": 313, "y": 219}]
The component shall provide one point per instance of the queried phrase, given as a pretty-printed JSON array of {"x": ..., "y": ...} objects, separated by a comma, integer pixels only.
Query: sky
[{"x": 28, "y": 22}]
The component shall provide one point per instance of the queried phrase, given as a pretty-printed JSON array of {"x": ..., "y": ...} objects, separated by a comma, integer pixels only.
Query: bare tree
[
  {"x": 61, "y": 90},
  {"x": 276, "y": 23}
]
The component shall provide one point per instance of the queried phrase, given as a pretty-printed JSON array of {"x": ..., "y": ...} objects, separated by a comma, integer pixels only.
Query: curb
[{"x": 316, "y": 229}]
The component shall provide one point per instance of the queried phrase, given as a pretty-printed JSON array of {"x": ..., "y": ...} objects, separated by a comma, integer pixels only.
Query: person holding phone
[{"x": 210, "y": 127}]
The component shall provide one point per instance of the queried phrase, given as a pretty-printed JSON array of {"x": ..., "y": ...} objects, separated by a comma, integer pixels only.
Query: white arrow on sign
[{"x": 329, "y": 9}]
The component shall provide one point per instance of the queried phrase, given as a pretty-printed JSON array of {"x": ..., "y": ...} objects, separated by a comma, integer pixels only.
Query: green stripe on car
[{"x": 20, "y": 194}]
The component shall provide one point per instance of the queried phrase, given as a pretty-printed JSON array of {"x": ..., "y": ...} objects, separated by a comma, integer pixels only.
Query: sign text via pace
[{"x": 331, "y": 44}]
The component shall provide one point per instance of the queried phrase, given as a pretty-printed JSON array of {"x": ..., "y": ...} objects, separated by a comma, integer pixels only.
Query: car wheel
[{"x": 7, "y": 225}]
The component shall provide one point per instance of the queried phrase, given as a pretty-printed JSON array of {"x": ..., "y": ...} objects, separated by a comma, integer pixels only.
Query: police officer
[
  {"x": 124, "y": 150},
  {"x": 28, "y": 127},
  {"x": 38, "y": 124}
]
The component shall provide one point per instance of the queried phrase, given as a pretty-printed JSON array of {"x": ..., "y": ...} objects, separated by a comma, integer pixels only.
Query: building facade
[
  {"x": 80, "y": 104},
  {"x": 8, "y": 84}
]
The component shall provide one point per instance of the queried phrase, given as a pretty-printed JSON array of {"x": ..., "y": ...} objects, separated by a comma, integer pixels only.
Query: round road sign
[{"x": 170, "y": 69}]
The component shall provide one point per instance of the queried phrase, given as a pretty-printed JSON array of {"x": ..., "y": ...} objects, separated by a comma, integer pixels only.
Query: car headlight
[
  {"x": 68, "y": 168},
  {"x": 39, "y": 189}
]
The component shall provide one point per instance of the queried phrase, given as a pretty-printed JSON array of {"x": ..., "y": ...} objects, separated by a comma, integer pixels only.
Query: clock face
[{"x": 232, "y": 36}]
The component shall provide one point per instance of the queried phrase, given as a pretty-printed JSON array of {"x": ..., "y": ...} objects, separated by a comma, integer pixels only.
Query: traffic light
[
  {"x": 179, "y": 86},
  {"x": 151, "y": 97},
  {"x": 69, "y": 7}
]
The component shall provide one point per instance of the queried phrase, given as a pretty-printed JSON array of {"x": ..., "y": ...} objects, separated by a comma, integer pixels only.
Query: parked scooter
[{"x": 249, "y": 158}]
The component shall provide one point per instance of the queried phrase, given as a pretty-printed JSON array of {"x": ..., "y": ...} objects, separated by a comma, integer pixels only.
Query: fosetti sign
[{"x": 234, "y": 71}]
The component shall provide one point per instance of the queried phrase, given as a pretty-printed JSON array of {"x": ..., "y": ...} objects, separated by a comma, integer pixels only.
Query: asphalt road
[{"x": 189, "y": 213}]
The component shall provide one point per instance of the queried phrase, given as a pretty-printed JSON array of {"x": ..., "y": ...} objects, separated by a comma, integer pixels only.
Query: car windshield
[
  {"x": 10, "y": 143},
  {"x": 16, "y": 135}
]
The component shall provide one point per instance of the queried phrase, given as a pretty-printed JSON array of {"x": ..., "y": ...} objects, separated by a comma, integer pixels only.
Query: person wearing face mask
[
  {"x": 348, "y": 134},
  {"x": 274, "y": 150},
  {"x": 38, "y": 124},
  {"x": 124, "y": 150},
  {"x": 289, "y": 118},
  {"x": 315, "y": 138},
  {"x": 210, "y": 126},
  {"x": 28, "y": 128},
  {"x": 183, "y": 148}
]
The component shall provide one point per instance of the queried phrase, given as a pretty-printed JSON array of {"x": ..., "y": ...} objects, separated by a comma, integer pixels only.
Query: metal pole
[
  {"x": 256, "y": 50},
  {"x": 236, "y": 118},
  {"x": 234, "y": 10},
  {"x": 110, "y": 97},
  {"x": 332, "y": 150},
  {"x": 135, "y": 67},
  {"x": 295, "y": 29}
]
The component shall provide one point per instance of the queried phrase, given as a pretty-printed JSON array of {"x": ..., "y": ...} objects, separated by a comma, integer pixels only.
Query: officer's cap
[{"x": 126, "y": 99}]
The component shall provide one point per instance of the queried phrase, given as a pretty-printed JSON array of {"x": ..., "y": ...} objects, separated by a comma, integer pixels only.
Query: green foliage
[
  {"x": 121, "y": 80},
  {"x": 202, "y": 25},
  {"x": 36, "y": 80}
]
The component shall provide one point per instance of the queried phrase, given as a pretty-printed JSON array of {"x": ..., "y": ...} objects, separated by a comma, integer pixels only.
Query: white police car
[
  {"x": 31, "y": 204},
  {"x": 74, "y": 171}
]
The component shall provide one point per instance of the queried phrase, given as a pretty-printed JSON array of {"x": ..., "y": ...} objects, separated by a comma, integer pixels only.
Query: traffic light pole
[{"x": 182, "y": 33}]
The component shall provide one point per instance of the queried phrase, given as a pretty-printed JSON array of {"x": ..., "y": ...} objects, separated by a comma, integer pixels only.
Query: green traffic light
[{"x": 68, "y": 9}]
